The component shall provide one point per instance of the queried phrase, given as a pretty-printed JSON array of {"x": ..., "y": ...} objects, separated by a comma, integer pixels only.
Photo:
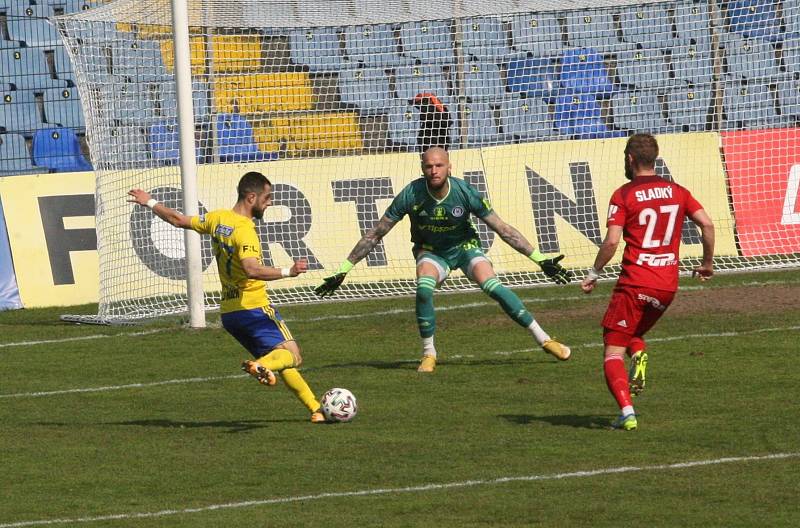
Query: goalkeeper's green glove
[
  {"x": 331, "y": 283},
  {"x": 551, "y": 267}
]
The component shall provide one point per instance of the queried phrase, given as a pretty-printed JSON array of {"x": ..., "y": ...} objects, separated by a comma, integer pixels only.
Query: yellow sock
[
  {"x": 277, "y": 360},
  {"x": 296, "y": 383}
]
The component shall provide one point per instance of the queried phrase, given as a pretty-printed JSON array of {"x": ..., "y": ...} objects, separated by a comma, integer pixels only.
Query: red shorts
[{"x": 632, "y": 311}]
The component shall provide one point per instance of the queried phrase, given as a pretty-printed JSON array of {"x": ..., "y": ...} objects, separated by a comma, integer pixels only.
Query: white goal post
[{"x": 333, "y": 101}]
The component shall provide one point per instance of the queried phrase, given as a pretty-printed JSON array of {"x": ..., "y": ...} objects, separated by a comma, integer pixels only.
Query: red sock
[
  {"x": 617, "y": 380},
  {"x": 637, "y": 344}
]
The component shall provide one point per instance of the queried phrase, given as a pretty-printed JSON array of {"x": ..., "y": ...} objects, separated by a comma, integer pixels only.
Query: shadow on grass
[
  {"x": 444, "y": 363},
  {"x": 232, "y": 426},
  {"x": 571, "y": 420}
]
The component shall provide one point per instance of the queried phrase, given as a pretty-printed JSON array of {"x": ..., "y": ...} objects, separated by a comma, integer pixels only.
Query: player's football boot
[
  {"x": 317, "y": 417},
  {"x": 637, "y": 372},
  {"x": 262, "y": 374},
  {"x": 561, "y": 352},
  {"x": 427, "y": 364},
  {"x": 628, "y": 423}
]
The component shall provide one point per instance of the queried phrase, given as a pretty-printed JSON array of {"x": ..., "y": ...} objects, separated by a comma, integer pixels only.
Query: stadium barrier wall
[
  {"x": 51, "y": 218},
  {"x": 9, "y": 292}
]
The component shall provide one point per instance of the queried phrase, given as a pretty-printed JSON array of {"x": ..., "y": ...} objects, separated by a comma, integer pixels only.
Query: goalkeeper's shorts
[
  {"x": 258, "y": 330},
  {"x": 462, "y": 257}
]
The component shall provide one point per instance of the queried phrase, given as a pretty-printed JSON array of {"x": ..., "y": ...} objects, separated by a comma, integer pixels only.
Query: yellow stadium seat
[
  {"x": 270, "y": 133},
  {"x": 197, "y": 54},
  {"x": 263, "y": 92},
  {"x": 236, "y": 53},
  {"x": 325, "y": 131}
]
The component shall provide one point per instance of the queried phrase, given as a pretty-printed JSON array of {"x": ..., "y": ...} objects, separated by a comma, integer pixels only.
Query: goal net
[{"x": 334, "y": 100}]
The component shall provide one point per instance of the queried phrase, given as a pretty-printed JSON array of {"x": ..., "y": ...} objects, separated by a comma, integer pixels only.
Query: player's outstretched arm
[
  {"x": 703, "y": 221},
  {"x": 606, "y": 252},
  {"x": 362, "y": 248},
  {"x": 169, "y": 215},
  {"x": 511, "y": 236},
  {"x": 253, "y": 269}
]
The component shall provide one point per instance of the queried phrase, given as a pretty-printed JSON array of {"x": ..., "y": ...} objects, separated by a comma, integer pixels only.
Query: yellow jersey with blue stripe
[{"x": 234, "y": 238}]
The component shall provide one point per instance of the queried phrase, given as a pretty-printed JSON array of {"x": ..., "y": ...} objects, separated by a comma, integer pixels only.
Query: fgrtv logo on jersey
[{"x": 657, "y": 261}]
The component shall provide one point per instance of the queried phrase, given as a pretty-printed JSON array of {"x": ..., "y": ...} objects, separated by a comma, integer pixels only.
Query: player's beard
[
  {"x": 258, "y": 213},
  {"x": 628, "y": 169}
]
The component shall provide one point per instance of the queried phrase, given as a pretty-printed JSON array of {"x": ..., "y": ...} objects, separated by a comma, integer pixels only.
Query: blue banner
[{"x": 9, "y": 293}]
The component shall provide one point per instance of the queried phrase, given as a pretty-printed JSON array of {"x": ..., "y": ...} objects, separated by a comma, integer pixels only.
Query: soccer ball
[{"x": 339, "y": 405}]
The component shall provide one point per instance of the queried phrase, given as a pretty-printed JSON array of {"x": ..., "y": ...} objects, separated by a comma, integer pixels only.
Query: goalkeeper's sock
[
  {"x": 426, "y": 316},
  {"x": 296, "y": 383},
  {"x": 617, "y": 380},
  {"x": 509, "y": 302},
  {"x": 427, "y": 347},
  {"x": 540, "y": 335},
  {"x": 277, "y": 360}
]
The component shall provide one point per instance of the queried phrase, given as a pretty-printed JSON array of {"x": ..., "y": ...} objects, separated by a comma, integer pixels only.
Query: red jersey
[{"x": 651, "y": 211}]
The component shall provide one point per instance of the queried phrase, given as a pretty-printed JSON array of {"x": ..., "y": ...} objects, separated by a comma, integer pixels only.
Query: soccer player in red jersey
[{"x": 648, "y": 213}]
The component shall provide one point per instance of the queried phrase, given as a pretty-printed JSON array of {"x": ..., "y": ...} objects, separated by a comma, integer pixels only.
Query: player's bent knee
[{"x": 616, "y": 338}]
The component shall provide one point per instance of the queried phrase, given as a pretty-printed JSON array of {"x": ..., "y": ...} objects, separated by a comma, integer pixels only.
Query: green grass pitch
[{"x": 155, "y": 426}]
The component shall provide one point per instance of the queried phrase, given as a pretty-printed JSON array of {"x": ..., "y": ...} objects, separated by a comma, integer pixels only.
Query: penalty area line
[{"x": 408, "y": 489}]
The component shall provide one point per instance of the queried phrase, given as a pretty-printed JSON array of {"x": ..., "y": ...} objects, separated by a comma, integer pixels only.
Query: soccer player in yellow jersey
[{"x": 246, "y": 311}]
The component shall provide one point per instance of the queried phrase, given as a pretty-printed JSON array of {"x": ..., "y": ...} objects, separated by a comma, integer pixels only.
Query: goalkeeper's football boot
[
  {"x": 317, "y": 417},
  {"x": 428, "y": 364},
  {"x": 637, "y": 372},
  {"x": 262, "y": 374},
  {"x": 627, "y": 423},
  {"x": 559, "y": 351}
]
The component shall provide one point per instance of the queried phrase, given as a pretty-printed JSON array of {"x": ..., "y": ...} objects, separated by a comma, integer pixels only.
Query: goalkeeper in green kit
[{"x": 444, "y": 238}]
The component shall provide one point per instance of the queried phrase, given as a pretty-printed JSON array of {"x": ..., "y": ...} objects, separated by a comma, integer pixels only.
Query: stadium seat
[
  {"x": 367, "y": 89},
  {"x": 482, "y": 80},
  {"x": 167, "y": 102},
  {"x": 482, "y": 128},
  {"x": 789, "y": 97},
  {"x": 63, "y": 64},
  {"x": 791, "y": 15},
  {"x": 693, "y": 23},
  {"x": 539, "y": 34},
  {"x": 318, "y": 49},
  {"x": 130, "y": 148},
  {"x": 484, "y": 38},
  {"x": 262, "y": 92},
  {"x": 62, "y": 107},
  {"x": 755, "y": 19},
  {"x": 791, "y": 55},
  {"x": 525, "y": 118},
  {"x": 164, "y": 142},
  {"x": 751, "y": 59},
  {"x": 140, "y": 59},
  {"x": 30, "y": 24},
  {"x": 236, "y": 53},
  {"x": 411, "y": 80},
  {"x": 14, "y": 156},
  {"x": 404, "y": 124},
  {"x": 579, "y": 116},
  {"x": 649, "y": 26},
  {"x": 197, "y": 55},
  {"x": 593, "y": 29},
  {"x": 748, "y": 106},
  {"x": 235, "y": 141},
  {"x": 373, "y": 46},
  {"x": 26, "y": 68},
  {"x": 19, "y": 112},
  {"x": 427, "y": 41},
  {"x": 689, "y": 107},
  {"x": 59, "y": 150},
  {"x": 643, "y": 68},
  {"x": 129, "y": 103},
  {"x": 337, "y": 131},
  {"x": 584, "y": 70},
  {"x": 639, "y": 111},
  {"x": 532, "y": 76},
  {"x": 692, "y": 63}
]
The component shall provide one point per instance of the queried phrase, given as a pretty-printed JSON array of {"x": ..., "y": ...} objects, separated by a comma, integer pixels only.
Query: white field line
[
  {"x": 456, "y": 356},
  {"x": 408, "y": 489}
]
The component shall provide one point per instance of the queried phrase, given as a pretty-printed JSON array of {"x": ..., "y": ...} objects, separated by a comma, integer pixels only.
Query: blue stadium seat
[
  {"x": 482, "y": 80},
  {"x": 748, "y": 106},
  {"x": 525, "y": 118},
  {"x": 14, "y": 156},
  {"x": 164, "y": 142},
  {"x": 693, "y": 23},
  {"x": 584, "y": 70},
  {"x": 539, "y": 34},
  {"x": 140, "y": 59},
  {"x": 791, "y": 15},
  {"x": 59, "y": 150},
  {"x": 482, "y": 128},
  {"x": 751, "y": 59},
  {"x": 63, "y": 64},
  {"x": 579, "y": 116},
  {"x": 532, "y": 76},
  {"x": 366, "y": 88},
  {"x": 30, "y": 24},
  {"x": 235, "y": 141},
  {"x": 689, "y": 107},
  {"x": 428, "y": 41},
  {"x": 130, "y": 103},
  {"x": 649, "y": 26},
  {"x": 484, "y": 38},
  {"x": 316, "y": 48},
  {"x": 755, "y": 19},
  {"x": 791, "y": 55},
  {"x": 692, "y": 63},
  {"x": 73, "y": 6},
  {"x": 643, "y": 68},
  {"x": 373, "y": 46},
  {"x": 19, "y": 112},
  {"x": 62, "y": 107},
  {"x": 130, "y": 146},
  {"x": 411, "y": 80},
  {"x": 167, "y": 101},
  {"x": 26, "y": 68},
  {"x": 639, "y": 111},
  {"x": 403, "y": 124},
  {"x": 789, "y": 97},
  {"x": 593, "y": 29}
]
